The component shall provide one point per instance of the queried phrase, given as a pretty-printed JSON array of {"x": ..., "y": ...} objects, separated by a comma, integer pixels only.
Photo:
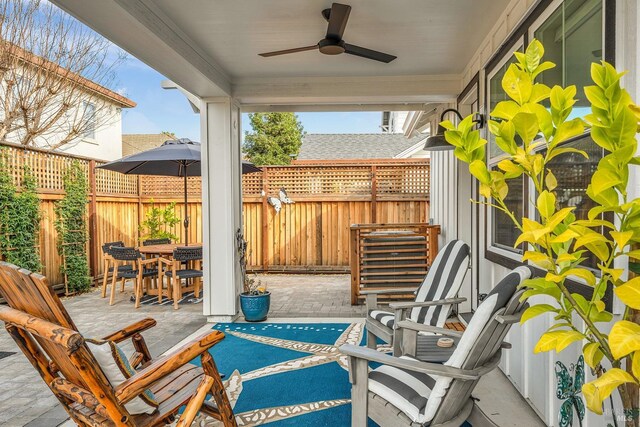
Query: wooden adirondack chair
[
  {"x": 43, "y": 330},
  {"x": 405, "y": 391},
  {"x": 433, "y": 303}
]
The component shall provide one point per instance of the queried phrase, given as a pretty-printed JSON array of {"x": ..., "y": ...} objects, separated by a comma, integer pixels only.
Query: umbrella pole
[{"x": 186, "y": 209}]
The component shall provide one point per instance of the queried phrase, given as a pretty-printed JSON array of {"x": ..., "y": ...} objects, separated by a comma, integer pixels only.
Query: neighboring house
[
  {"x": 325, "y": 146},
  {"x": 101, "y": 135},
  {"x": 103, "y": 141},
  {"x": 133, "y": 143},
  {"x": 393, "y": 121}
]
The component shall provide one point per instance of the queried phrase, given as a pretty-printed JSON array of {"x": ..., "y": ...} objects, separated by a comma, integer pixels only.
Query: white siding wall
[
  {"x": 533, "y": 375},
  {"x": 107, "y": 144}
]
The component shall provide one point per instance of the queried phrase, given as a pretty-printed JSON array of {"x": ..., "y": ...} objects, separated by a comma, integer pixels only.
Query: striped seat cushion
[
  {"x": 419, "y": 396},
  {"x": 384, "y": 317},
  {"x": 406, "y": 390},
  {"x": 443, "y": 280}
]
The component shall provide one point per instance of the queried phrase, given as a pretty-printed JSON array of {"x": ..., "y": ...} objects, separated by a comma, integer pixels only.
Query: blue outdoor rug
[{"x": 287, "y": 374}]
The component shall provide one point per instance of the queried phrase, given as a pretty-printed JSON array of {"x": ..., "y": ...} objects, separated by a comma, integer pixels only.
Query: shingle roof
[
  {"x": 355, "y": 146},
  {"x": 137, "y": 142}
]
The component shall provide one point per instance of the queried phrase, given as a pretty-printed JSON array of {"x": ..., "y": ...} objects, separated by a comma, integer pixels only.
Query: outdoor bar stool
[
  {"x": 190, "y": 258},
  {"x": 139, "y": 271},
  {"x": 107, "y": 261}
]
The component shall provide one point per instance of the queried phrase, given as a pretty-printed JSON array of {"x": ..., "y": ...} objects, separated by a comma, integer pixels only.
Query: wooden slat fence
[{"x": 311, "y": 234}]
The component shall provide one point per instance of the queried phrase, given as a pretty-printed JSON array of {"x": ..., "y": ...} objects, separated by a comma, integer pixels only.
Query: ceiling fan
[{"x": 333, "y": 44}]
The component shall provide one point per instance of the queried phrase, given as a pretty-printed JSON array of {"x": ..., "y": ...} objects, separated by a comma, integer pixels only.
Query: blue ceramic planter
[{"x": 255, "y": 307}]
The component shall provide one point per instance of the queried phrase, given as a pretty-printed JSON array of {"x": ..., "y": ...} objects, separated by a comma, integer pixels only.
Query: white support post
[{"x": 221, "y": 207}]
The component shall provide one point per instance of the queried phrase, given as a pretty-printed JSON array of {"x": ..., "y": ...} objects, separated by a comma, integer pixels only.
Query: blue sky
[{"x": 161, "y": 110}]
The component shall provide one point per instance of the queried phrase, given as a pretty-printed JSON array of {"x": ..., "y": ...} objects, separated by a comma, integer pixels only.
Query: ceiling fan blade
[
  {"x": 286, "y": 51},
  {"x": 338, "y": 20},
  {"x": 368, "y": 53}
]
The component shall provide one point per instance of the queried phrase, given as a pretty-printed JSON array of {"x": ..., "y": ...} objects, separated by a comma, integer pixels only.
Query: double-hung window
[{"x": 572, "y": 33}]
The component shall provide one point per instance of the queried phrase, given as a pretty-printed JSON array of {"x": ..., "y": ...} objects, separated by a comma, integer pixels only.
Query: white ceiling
[
  {"x": 211, "y": 47},
  {"x": 428, "y": 36}
]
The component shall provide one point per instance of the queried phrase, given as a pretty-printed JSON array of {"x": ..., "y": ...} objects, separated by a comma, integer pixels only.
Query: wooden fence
[{"x": 311, "y": 234}]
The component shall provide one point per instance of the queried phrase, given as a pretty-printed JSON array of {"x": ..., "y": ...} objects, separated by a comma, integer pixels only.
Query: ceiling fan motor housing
[{"x": 331, "y": 47}]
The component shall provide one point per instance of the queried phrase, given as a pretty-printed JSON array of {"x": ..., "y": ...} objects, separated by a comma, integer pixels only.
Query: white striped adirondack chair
[
  {"x": 404, "y": 391},
  {"x": 435, "y": 297}
]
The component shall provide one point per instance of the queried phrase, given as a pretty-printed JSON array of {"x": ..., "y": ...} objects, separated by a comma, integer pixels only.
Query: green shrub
[
  {"x": 19, "y": 220},
  {"x": 158, "y": 222},
  {"x": 71, "y": 225}
]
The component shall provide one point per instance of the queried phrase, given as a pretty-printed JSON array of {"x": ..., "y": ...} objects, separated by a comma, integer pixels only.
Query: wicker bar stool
[
  {"x": 189, "y": 258},
  {"x": 107, "y": 262},
  {"x": 139, "y": 271}
]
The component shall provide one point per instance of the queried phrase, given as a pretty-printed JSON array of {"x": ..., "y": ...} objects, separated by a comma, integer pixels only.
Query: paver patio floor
[{"x": 26, "y": 400}]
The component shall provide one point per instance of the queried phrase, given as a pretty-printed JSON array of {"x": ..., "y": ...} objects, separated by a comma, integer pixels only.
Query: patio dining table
[{"x": 166, "y": 251}]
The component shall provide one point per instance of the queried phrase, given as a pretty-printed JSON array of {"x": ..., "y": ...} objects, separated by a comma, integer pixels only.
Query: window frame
[
  {"x": 491, "y": 249},
  {"x": 89, "y": 135}
]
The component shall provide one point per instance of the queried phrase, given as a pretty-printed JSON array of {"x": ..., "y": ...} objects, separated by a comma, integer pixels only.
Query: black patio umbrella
[{"x": 179, "y": 157}]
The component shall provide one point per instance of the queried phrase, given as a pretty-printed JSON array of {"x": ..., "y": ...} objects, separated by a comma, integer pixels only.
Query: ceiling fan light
[{"x": 331, "y": 47}]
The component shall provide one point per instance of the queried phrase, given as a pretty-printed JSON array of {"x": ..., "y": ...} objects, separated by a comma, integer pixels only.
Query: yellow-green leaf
[
  {"x": 592, "y": 354},
  {"x": 505, "y": 110},
  {"x": 550, "y": 181},
  {"x": 479, "y": 170},
  {"x": 582, "y": 273},
  {"x": 621, "y": 237},
  {"x": 565, "y": 236},
  {"x": 595, "y": 392},
  {"x": 567, "y": 130},
  {"x": 629, "y": 293},
  {"x": 556, "y": 340},
  {"x": 536, "y": 310},
  {"x": 624, "y": 338},
  {"x": 603, "y": 179},
  {"x": 546, "y": 204},
  {"x": 588, "y": 238},
  {"x": 635, "y": 364}
]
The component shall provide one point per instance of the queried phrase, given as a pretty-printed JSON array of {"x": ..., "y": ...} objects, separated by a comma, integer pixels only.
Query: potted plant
[
  {"x": 255, "y": 299},
  {"x": 536, "y": 116}
]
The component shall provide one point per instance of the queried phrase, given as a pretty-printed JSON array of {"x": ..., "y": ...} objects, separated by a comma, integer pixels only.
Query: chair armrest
[
  {"x": 165, "y": 365},
  {"x": 131, "y": 330},
  {"x": 148, "y": 261},
  {"x": 387, "y": 291},
  {"x": 512, "y": 318},
  {"x": 411, "y": 304},
  {"x": 411, "y": 365},
  {"x": 419, "y": 327},
  {"x": 67, "y": 338},
  {"x": 166, "y": 261}
]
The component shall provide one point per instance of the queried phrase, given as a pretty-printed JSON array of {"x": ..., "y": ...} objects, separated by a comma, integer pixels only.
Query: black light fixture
[{"x": 437, "y": 142}]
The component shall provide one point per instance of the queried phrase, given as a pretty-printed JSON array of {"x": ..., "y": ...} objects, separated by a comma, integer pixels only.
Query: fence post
[
  {"x": 374, "y": 194},
  {"x": 93, "y": 226},
  {"x": 354, "y": 253},
  {"x": 140, "y": 217},
  {"x": 265, "y": 219}
]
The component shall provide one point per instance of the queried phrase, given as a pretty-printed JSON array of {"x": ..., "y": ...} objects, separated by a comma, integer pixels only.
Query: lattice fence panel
[
  {"x": 109, "y": 182},
  {"x": 406, "y": 179},
  {"x": 317, "y": 181},
  {"x": 48, "y": 168},
  {"x": 252, "y": 184},
  {"x": 165, "y": 186}
]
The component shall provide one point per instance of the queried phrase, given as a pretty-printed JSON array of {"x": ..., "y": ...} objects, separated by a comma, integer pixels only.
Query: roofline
[
  {"x": 329, "y": 162},
  {"x": 411, "y": 150},
  {"x": 91, "y": 86}
]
